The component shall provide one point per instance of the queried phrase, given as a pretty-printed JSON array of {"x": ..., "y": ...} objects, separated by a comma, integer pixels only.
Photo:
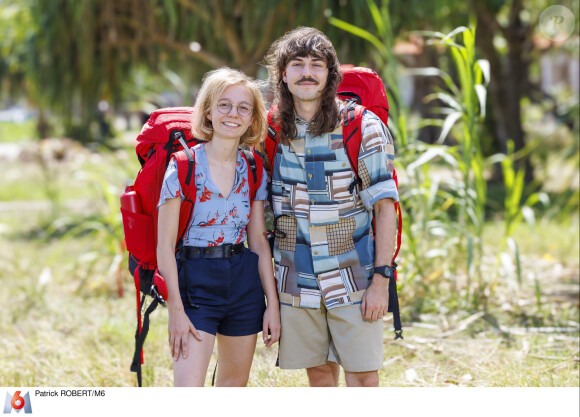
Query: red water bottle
[{"x": 130, "y": 200}]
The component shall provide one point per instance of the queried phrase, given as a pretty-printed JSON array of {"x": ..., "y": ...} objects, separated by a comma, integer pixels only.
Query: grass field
[
  {"x": 11, "y": 132},
  {"x": 64, "y": 322}
]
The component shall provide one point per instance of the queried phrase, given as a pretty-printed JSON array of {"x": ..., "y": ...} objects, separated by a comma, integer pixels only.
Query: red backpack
[
  {"x": 166, "y": 135},
  {"x": 362, "y": 89}
]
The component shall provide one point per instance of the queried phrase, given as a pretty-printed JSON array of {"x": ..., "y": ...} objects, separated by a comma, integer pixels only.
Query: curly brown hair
[{"x": 302, "y": 42}]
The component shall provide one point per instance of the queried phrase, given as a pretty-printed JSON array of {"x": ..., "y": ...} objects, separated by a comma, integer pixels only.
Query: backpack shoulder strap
[
  {"x": 272, "y": 138},
  {"x": 352, "y": 136},
  {"x": 256, "y": 167},
  {"x": 185, "y": 160},
  {"x": 352, "y": 115},
  {"x": 185, "y": 165}
]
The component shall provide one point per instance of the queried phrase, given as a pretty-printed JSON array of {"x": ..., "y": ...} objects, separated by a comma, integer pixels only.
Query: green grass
[
  {"x": 11, "y": 132},
  {"x": 74, "y": 329},
  {"x": 549, "y": 240},
  {"x": 75, "y": 176}
]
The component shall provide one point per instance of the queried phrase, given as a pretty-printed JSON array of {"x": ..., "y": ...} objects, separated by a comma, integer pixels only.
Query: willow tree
[{"x": 71, "y": 54}]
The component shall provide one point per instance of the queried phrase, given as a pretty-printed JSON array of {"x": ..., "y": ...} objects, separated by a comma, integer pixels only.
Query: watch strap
[{"x": 383, "y": 270}]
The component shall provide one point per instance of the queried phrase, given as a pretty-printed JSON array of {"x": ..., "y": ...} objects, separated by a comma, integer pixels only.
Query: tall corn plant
[
  {"x": 517, "y": 209},
  {"x": 434, "y": 238},
  {"x": 464, "y": 107}
]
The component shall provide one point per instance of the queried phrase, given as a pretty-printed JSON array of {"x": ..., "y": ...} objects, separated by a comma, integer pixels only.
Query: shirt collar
[{"x": 300, "y": 121}]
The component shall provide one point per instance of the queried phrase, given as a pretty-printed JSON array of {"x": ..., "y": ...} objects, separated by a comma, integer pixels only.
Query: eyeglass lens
[{"x": 225, "y": 106}]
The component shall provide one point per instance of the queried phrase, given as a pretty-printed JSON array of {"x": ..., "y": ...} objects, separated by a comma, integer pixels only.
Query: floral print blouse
[{"x": 216, "y": 220}]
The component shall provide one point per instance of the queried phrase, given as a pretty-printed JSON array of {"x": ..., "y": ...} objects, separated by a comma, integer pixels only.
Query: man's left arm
[
  {"x": 379, "y": 193},
  {"x": 375, "y": 302}
]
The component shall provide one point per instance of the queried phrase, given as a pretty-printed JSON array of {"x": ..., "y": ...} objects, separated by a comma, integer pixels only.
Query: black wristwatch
[{"x": 387, "y": 271}]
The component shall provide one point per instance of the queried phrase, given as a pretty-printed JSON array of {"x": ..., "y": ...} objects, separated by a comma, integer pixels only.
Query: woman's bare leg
[
  {"x": 191, "y": 371},
  {"x": 235, "y": 355}
]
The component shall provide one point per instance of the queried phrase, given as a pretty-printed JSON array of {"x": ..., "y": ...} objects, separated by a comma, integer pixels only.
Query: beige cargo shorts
[{"x": 313, "y": 337}]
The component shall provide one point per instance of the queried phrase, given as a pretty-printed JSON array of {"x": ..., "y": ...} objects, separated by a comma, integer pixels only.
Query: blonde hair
[{"x": 214, "y": 84}]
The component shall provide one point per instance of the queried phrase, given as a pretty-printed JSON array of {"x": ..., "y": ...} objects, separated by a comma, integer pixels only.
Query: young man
[{"x": 331, "y": 299}]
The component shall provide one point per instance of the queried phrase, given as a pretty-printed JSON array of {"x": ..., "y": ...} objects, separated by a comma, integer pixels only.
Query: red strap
[
  {"x": 351, "y": 136},
  {"x": 272, "y": 138},
  {"x": 400, "y": 226},
  {"x": 259, "y": 171},
  {"x": 189, "y": 192},
  {"x": 160, "y": 284}
]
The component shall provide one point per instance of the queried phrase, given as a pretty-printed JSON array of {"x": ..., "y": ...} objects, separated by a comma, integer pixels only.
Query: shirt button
[
  {"x": 310, "y": 176},
  {"x": 315, "y": 253},
  {"x": 343, "y": 164},
  {"x": 312, "y": 201},
  {"x": 308, "y": 151}
]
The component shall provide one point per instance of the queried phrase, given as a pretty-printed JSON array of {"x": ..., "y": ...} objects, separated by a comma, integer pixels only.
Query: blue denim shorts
[{"x": 225, "y": 294}]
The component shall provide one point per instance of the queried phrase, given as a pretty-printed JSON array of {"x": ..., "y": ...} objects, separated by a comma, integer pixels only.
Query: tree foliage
[
  {"x": 70, "y": 54},
  {"x": 65, "y": 56}
]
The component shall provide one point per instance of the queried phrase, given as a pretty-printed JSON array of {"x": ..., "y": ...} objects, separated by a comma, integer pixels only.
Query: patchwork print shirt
[{"x": 328, "y": 248}]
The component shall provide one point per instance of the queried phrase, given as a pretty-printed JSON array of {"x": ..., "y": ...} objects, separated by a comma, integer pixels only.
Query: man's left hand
[{"x": 375, "y": 301}]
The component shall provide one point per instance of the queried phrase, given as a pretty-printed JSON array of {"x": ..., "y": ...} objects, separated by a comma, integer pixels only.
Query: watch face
[{"x": 386, "y": 272}]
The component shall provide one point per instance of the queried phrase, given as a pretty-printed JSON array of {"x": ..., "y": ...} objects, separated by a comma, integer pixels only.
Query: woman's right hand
[{"x": 179, "y": 327}]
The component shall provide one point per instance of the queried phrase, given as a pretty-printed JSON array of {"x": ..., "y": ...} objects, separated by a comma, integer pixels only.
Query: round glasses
[{"x": 225, "y": 107}]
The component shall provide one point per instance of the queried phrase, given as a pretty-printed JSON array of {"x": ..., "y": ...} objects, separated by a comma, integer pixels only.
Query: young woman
[{"x": 216, "y": 286}]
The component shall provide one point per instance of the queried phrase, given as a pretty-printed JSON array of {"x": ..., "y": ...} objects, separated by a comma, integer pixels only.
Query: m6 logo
[{"x": 17, "y": 403}]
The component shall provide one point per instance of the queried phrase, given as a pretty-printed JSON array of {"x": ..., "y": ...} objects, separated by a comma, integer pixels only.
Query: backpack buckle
[
  {"x": 354, "y": 184},
  {"x": 156, "y": 295}
]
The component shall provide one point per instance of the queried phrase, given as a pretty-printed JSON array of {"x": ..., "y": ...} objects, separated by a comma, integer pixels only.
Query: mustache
[{"x": 307, "y": 80}]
